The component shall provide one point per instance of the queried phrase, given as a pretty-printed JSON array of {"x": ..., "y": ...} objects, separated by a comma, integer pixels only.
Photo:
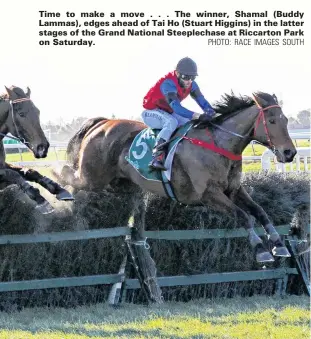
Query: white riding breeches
[{"x": 166, "y": 122}]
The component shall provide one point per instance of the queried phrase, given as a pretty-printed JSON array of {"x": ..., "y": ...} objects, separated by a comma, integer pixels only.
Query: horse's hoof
[
  {"x": 45, "y": 208},
  {"x": 280, "y": 252},
  {"x": 264, "y": 257},
  {"x": 64, "y": 196}
]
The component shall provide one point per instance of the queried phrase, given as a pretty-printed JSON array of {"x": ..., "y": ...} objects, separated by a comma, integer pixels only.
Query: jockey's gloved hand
[
  {"x": 196, "y": 115},
  {"x": 209, "y": 111},
  {"x": 205, "y": 117}
]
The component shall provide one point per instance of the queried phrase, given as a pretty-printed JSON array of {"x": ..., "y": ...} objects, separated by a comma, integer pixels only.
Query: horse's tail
[
  {"x": 74, "y": 144},
  {"x": 66, "y": 176}
]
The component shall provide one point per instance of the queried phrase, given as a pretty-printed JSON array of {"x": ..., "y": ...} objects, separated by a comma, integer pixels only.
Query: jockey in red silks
[{"x": 163, "y": 109}]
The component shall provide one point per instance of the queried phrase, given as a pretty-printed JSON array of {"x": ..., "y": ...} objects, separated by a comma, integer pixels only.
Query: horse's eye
[
  {"x": 21, "y": 114},
  {"x": 272, "y": 121}
]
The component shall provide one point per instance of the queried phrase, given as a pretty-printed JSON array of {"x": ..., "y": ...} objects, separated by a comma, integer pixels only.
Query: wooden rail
[{"x": 281, "y": 274}]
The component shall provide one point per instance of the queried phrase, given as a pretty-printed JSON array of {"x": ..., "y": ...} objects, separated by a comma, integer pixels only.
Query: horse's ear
[
  {"x": 256, "y": 100},
  {"x": 10, "y": 92},
  {"x": 28, "y": 92},
  {"x": 259, "y": 101},
  {"x": 275, "y": 98}
]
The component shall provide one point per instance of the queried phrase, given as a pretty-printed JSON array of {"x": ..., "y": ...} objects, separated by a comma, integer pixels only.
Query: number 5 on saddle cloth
[{"x": 140, "y": 155}]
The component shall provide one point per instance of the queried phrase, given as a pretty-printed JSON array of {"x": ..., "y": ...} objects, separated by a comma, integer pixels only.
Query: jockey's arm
[
  {"x": 169, "y": 91},
  {"x": 199, "y": 98}
]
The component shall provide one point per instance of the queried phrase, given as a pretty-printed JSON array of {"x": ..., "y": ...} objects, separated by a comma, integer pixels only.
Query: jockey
[{"x": 163, "y": 109}]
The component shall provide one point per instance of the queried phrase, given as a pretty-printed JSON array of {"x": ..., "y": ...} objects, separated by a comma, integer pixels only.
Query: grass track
[{"x": 239, "y": 318}]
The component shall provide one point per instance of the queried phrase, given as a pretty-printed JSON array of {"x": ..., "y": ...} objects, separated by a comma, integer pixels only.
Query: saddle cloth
[{"x": 140, "y": 153}]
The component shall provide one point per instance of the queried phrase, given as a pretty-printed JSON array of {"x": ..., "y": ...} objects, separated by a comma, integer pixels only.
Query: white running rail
[
  {"x": 303, "y": 153},
  {"x": 267, "y": 158}
]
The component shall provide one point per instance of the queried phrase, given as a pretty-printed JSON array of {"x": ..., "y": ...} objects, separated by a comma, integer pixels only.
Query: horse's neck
[
  {"x": 3, "y": 129},
  {"x": 3, "y": 116},
  {"x": 242, "y": 124},
  {"x": 4, "y": 107}
]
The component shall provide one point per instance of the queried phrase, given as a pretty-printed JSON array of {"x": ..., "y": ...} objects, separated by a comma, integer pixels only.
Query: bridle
[
  {"x": 261, "y": 116},
  {"x": 11, "y": 111}
]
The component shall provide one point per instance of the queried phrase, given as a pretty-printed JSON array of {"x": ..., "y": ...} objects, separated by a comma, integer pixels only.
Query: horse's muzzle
[
  {"x": 41, "y": 151},
  {"x": 287, "y": 155}
]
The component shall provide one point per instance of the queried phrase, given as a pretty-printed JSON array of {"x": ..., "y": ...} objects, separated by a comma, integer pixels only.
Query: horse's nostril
[
  {"x": 287, "y": 152},
  {"x": 41, "y": 149}
]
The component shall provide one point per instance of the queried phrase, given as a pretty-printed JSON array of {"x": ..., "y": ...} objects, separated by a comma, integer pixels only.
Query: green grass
[
  {"x": 247, "y": 167},
  {"x": 258, "y": 149},
  {"x": 238, "y": 318},
  {"x": 28, "y": 156}
]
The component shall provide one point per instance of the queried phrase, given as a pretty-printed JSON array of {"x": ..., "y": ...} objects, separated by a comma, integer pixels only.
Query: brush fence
[{"x": 119, "y": 280}]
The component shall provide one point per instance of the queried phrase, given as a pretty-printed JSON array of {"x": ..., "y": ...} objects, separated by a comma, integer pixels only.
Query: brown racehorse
[
  {"x": 199, "y": 175},
  {"x": 20, "y": 117}
]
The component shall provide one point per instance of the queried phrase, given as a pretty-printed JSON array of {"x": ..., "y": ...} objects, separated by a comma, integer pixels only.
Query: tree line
[{"x": 62, "y": 131}]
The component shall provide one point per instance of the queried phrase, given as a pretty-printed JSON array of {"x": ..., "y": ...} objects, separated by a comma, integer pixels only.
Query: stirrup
[{"x": 157, "y": 164}]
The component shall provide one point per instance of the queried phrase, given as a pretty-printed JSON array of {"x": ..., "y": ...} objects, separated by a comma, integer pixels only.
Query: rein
[
  {"x": 226, "y": 130},
  {"x": 214, "y": 148},
  {"x": 211, "y": 145}
]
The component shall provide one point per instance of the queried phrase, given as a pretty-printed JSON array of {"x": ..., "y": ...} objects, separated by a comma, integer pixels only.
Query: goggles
[{"x": 187, "y": 77}]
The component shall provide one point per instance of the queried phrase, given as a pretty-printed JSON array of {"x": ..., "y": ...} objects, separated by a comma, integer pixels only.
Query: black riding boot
[{"x": 158, "y": 155}]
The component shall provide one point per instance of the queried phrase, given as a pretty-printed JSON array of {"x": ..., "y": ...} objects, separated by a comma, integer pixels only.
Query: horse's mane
[
  {"x": 17, "y": 90},
  {"x": 230, "y": 104}
]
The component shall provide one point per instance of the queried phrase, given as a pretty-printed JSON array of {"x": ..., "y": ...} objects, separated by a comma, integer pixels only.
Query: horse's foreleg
[
  {"x": 219, "y": 201},
  {"x": 244, "y": 201},
  {"x": 11, "y": 177},
  {"x": 45, "y": 182}
]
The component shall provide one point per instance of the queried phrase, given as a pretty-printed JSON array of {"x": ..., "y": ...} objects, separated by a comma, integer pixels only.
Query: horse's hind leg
[
  {"x": 244, "y": 201},
  {"x": 45, "y": 182},
  {"x": 94, "y": 181},
  {"x": 67, "y": 177},
  {"x": 96, "y": 170},
  {"x": 222, "y": 203},
  {"x": 12, "y": 177}
]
